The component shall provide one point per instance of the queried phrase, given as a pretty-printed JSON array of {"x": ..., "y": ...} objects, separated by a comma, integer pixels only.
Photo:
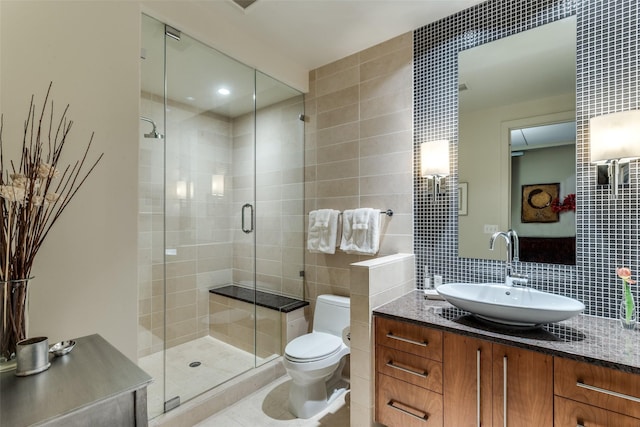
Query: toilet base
[{"x": 308, "y": 399}]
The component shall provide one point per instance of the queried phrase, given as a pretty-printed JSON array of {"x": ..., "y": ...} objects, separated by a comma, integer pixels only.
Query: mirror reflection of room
[{"x": 517, "y": 143}]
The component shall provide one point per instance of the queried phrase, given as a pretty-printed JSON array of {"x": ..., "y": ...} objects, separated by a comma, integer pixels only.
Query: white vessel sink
[{"x": 517, "y": 306}]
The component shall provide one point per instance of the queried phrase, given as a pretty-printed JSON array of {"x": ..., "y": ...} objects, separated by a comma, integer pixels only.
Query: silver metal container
[{"x": 32, "y": 356}]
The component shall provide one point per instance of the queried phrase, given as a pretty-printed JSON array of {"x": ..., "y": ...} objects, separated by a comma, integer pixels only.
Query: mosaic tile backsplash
[{"x": 607, "y": 71}]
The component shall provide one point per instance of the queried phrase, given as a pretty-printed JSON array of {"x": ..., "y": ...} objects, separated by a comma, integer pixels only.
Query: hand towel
[
  {"x": 322, "y": 235},
  {"x": 361, "y": 231}
]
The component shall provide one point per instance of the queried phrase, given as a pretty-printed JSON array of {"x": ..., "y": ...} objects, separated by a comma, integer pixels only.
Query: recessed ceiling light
[
  {"x": 190, "y": 98},
  {"x": 224, "y": 91}
]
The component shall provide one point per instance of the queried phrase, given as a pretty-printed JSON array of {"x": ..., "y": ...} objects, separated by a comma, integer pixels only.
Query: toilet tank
[{"x": 332, "y": 314}]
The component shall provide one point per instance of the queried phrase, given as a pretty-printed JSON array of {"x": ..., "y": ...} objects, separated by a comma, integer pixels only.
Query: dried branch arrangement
[{"x": 33, "y": 194}]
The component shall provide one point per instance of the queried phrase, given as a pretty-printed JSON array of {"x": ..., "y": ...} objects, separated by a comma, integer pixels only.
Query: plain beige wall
[{"x": 87, "y": 270}]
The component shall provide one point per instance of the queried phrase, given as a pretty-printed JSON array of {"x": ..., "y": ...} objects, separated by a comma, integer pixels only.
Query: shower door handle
[{"x": 244, "y": 208}]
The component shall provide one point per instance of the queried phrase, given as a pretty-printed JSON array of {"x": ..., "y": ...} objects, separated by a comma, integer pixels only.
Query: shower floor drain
[{"x": 194, "y": 364}]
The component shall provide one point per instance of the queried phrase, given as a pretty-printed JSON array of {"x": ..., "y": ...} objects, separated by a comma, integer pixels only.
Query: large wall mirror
[{"x": 516, "y": 152}]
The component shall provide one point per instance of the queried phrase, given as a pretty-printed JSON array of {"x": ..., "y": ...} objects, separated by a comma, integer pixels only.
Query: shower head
[{"x": 154, "y": 132}]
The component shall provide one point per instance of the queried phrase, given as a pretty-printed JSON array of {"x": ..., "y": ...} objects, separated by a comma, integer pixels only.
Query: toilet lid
[{"x": 312, "y": 347}]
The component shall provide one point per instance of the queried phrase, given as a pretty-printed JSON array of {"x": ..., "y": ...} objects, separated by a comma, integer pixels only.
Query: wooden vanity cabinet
[
  {"x": 483, "y": 382},
  {"x": 467, "y": 381},
  {"x": 595, "y": 396},
  {"x": 426, "y": 377},
  {"x": 408, "y": 374},
  {"x": 522, "y": 387}
]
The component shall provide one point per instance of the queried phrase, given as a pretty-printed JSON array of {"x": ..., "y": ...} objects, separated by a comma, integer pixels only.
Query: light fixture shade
[
  {"x": 615, "y": 136},
  {"x": 434, "y": 158},
  {"x": 217, "y": 185}
]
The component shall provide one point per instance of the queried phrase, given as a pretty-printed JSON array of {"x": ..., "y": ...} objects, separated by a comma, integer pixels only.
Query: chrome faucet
[{"x": 513, "y": 255}]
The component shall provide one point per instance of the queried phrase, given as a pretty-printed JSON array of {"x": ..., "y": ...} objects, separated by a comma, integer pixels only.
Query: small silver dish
[{"x": 61, "y": 348}]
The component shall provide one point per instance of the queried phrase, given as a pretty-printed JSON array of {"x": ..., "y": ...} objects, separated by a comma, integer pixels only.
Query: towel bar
[{"x": 388, "y": 212}]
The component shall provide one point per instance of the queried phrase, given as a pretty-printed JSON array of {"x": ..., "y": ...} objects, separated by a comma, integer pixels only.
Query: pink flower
[{"x": 625, "y": 274}]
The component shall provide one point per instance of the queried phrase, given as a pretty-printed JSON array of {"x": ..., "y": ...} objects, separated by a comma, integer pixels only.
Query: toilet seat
[{"x": 312, "y": 347}]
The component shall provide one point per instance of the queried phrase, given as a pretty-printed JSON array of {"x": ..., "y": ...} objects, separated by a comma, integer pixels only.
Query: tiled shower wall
[
  {"x": 204, "y": 229},
  {"x": 608, "y": 48},
  {"x": 359, "y": 152},
  {"x": 198, "y": 224}
]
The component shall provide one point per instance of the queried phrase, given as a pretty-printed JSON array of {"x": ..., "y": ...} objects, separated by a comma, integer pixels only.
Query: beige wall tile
[
  {"x": 394, "y": 163},
  {"x": 338, "y": 188},
  {"x": 338, "y": 116},
  {"x": 386, "y": 64},
  {"x": 400, "y": 42},
  {"x": 361, "y": 335},
  {"x": 387, "y": 104},
  {"x": 341, "y": 98},
  {"x": 340, "y": 80},
  {"x": 337, "y": 152},
  {"x": 360, "y": 310},
  {"x": 389, "y": 123},
  {"x": 359, "y": 281},
  {"x": 399, "y": 80},
  {"x": 362, "y": 369},
  {"x": 380, "y": 145},
  {"x": 338, "y": 170},
  {"x": 361, "y": 415},
  {"x": 393, "y": 244},
  {"x": 337, "y": 134},
  {"x": 384, "y": 184},
  {"x": 335, "y": 67},
  {"x": 401, "y": 203},
  {"x": 360, "y": 389}
]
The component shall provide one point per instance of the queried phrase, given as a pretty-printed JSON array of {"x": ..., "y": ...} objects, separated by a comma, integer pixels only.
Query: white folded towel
[
  {"x": 361, "y": 231},
  {"x": 322, "y": 235}
]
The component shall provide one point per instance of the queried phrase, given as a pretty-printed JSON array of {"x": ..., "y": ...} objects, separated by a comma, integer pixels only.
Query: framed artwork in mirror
[
  {"x": 536, "y": 202},
  {"x": 462, "y": 198}
]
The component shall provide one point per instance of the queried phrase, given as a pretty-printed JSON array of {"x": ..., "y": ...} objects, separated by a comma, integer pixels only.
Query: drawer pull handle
[
  {"x": 408, "y": 411},
  {"x": 504, "y": 385},
  {"x": 407, "y": 340},
  {"x": 478, "y": 391},
  {"x": 609, "y": 392},
  {"x": 421, "y": 374}
]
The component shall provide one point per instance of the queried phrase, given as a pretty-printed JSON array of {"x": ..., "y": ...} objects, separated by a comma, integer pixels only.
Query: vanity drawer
[
  {"x": 568, "y": 413},
  {"x": 400, "y": 404},
  {"x": 410, "y": 338},
  {"x": 606, "y": 388},
  {"x": 408, "y": 367}
]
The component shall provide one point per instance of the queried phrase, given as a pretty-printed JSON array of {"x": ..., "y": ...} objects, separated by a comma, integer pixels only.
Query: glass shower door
[
  {"x": 221, "y": 208},
  {"x": 279, "y": 134},
  {"x": 209, "y": 216}
]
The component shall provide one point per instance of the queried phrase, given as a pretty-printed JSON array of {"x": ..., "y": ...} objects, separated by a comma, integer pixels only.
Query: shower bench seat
[{"x": 278, "y": 319}]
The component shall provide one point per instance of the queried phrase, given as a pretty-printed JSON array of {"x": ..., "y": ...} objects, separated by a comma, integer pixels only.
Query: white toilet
[{"x": 315, "y": 361}]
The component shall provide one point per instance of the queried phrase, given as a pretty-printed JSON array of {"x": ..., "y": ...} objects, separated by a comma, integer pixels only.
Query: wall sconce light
[
  {"x": 184, "y": 190},
  {"x": 615, "y": 141},
  {"x": 434, "y": 163},
  {"x": 217, "y": 185}
]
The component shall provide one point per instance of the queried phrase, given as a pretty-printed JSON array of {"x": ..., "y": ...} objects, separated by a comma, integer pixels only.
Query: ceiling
[
  {"x": 317, "y": 32},
  {"x": 311, "y": 33}
]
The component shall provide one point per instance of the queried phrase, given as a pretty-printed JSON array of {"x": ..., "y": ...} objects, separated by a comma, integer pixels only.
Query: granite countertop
[{"x": 584, "y": 338}]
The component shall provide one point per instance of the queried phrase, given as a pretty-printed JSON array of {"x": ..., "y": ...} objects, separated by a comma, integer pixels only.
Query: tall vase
[
  {"x": 13, "y": 317},
  {"x": 628, "y": 314}
]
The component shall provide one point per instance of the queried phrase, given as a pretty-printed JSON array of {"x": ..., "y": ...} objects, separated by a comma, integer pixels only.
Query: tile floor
[
  {"x": 219, "y": 362},
  {"x": 267, "y": 407}
]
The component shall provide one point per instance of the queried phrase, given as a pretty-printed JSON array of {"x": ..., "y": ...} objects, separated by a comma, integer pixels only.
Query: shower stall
[{"x": 221, "y": 191}]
